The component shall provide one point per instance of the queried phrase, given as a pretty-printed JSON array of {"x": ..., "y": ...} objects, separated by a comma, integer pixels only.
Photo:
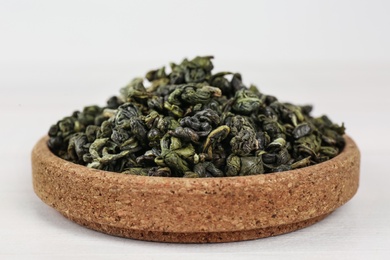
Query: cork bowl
[{"x": 195, "y": 210}]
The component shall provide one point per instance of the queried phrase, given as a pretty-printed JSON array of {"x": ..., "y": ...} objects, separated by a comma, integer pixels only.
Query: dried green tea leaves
[{"x": 192, "y": 123}]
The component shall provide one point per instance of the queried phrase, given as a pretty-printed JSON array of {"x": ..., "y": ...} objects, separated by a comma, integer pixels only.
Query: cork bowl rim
[
  {"x": 233, "y": 208},
  {"x": 49, "y": 157}
]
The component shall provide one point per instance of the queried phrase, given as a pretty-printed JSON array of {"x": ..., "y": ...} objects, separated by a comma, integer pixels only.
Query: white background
[{"x": 58, "y": 56}]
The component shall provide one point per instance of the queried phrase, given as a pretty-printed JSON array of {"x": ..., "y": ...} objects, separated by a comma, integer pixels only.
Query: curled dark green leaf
[{"x": 186, "y": 121}]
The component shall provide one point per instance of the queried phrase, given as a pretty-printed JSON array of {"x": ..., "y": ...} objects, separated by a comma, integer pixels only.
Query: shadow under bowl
[{"x": 200, "y": 210}]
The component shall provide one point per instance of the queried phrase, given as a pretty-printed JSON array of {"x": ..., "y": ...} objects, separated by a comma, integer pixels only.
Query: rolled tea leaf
[{"x": 189, "y": 122}]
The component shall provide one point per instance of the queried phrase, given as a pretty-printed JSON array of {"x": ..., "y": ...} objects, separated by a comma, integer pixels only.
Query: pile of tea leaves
[{"x": 191, "y": 122}]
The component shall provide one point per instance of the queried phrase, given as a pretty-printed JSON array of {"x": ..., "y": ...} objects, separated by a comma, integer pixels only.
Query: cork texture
[{"x": 195, "y": 210}]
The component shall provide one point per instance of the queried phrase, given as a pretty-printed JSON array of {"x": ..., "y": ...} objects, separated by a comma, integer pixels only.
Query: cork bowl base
[
  {"x": 198, "y": 237},
  {"x": 195, "y": 210}
]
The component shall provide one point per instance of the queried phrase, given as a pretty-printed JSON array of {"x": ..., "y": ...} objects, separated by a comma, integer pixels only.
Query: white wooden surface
[{"x": 359, "y": 230}]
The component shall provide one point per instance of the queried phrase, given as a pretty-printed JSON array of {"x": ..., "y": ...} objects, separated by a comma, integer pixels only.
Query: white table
[{"x": 33, "y": 96}]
